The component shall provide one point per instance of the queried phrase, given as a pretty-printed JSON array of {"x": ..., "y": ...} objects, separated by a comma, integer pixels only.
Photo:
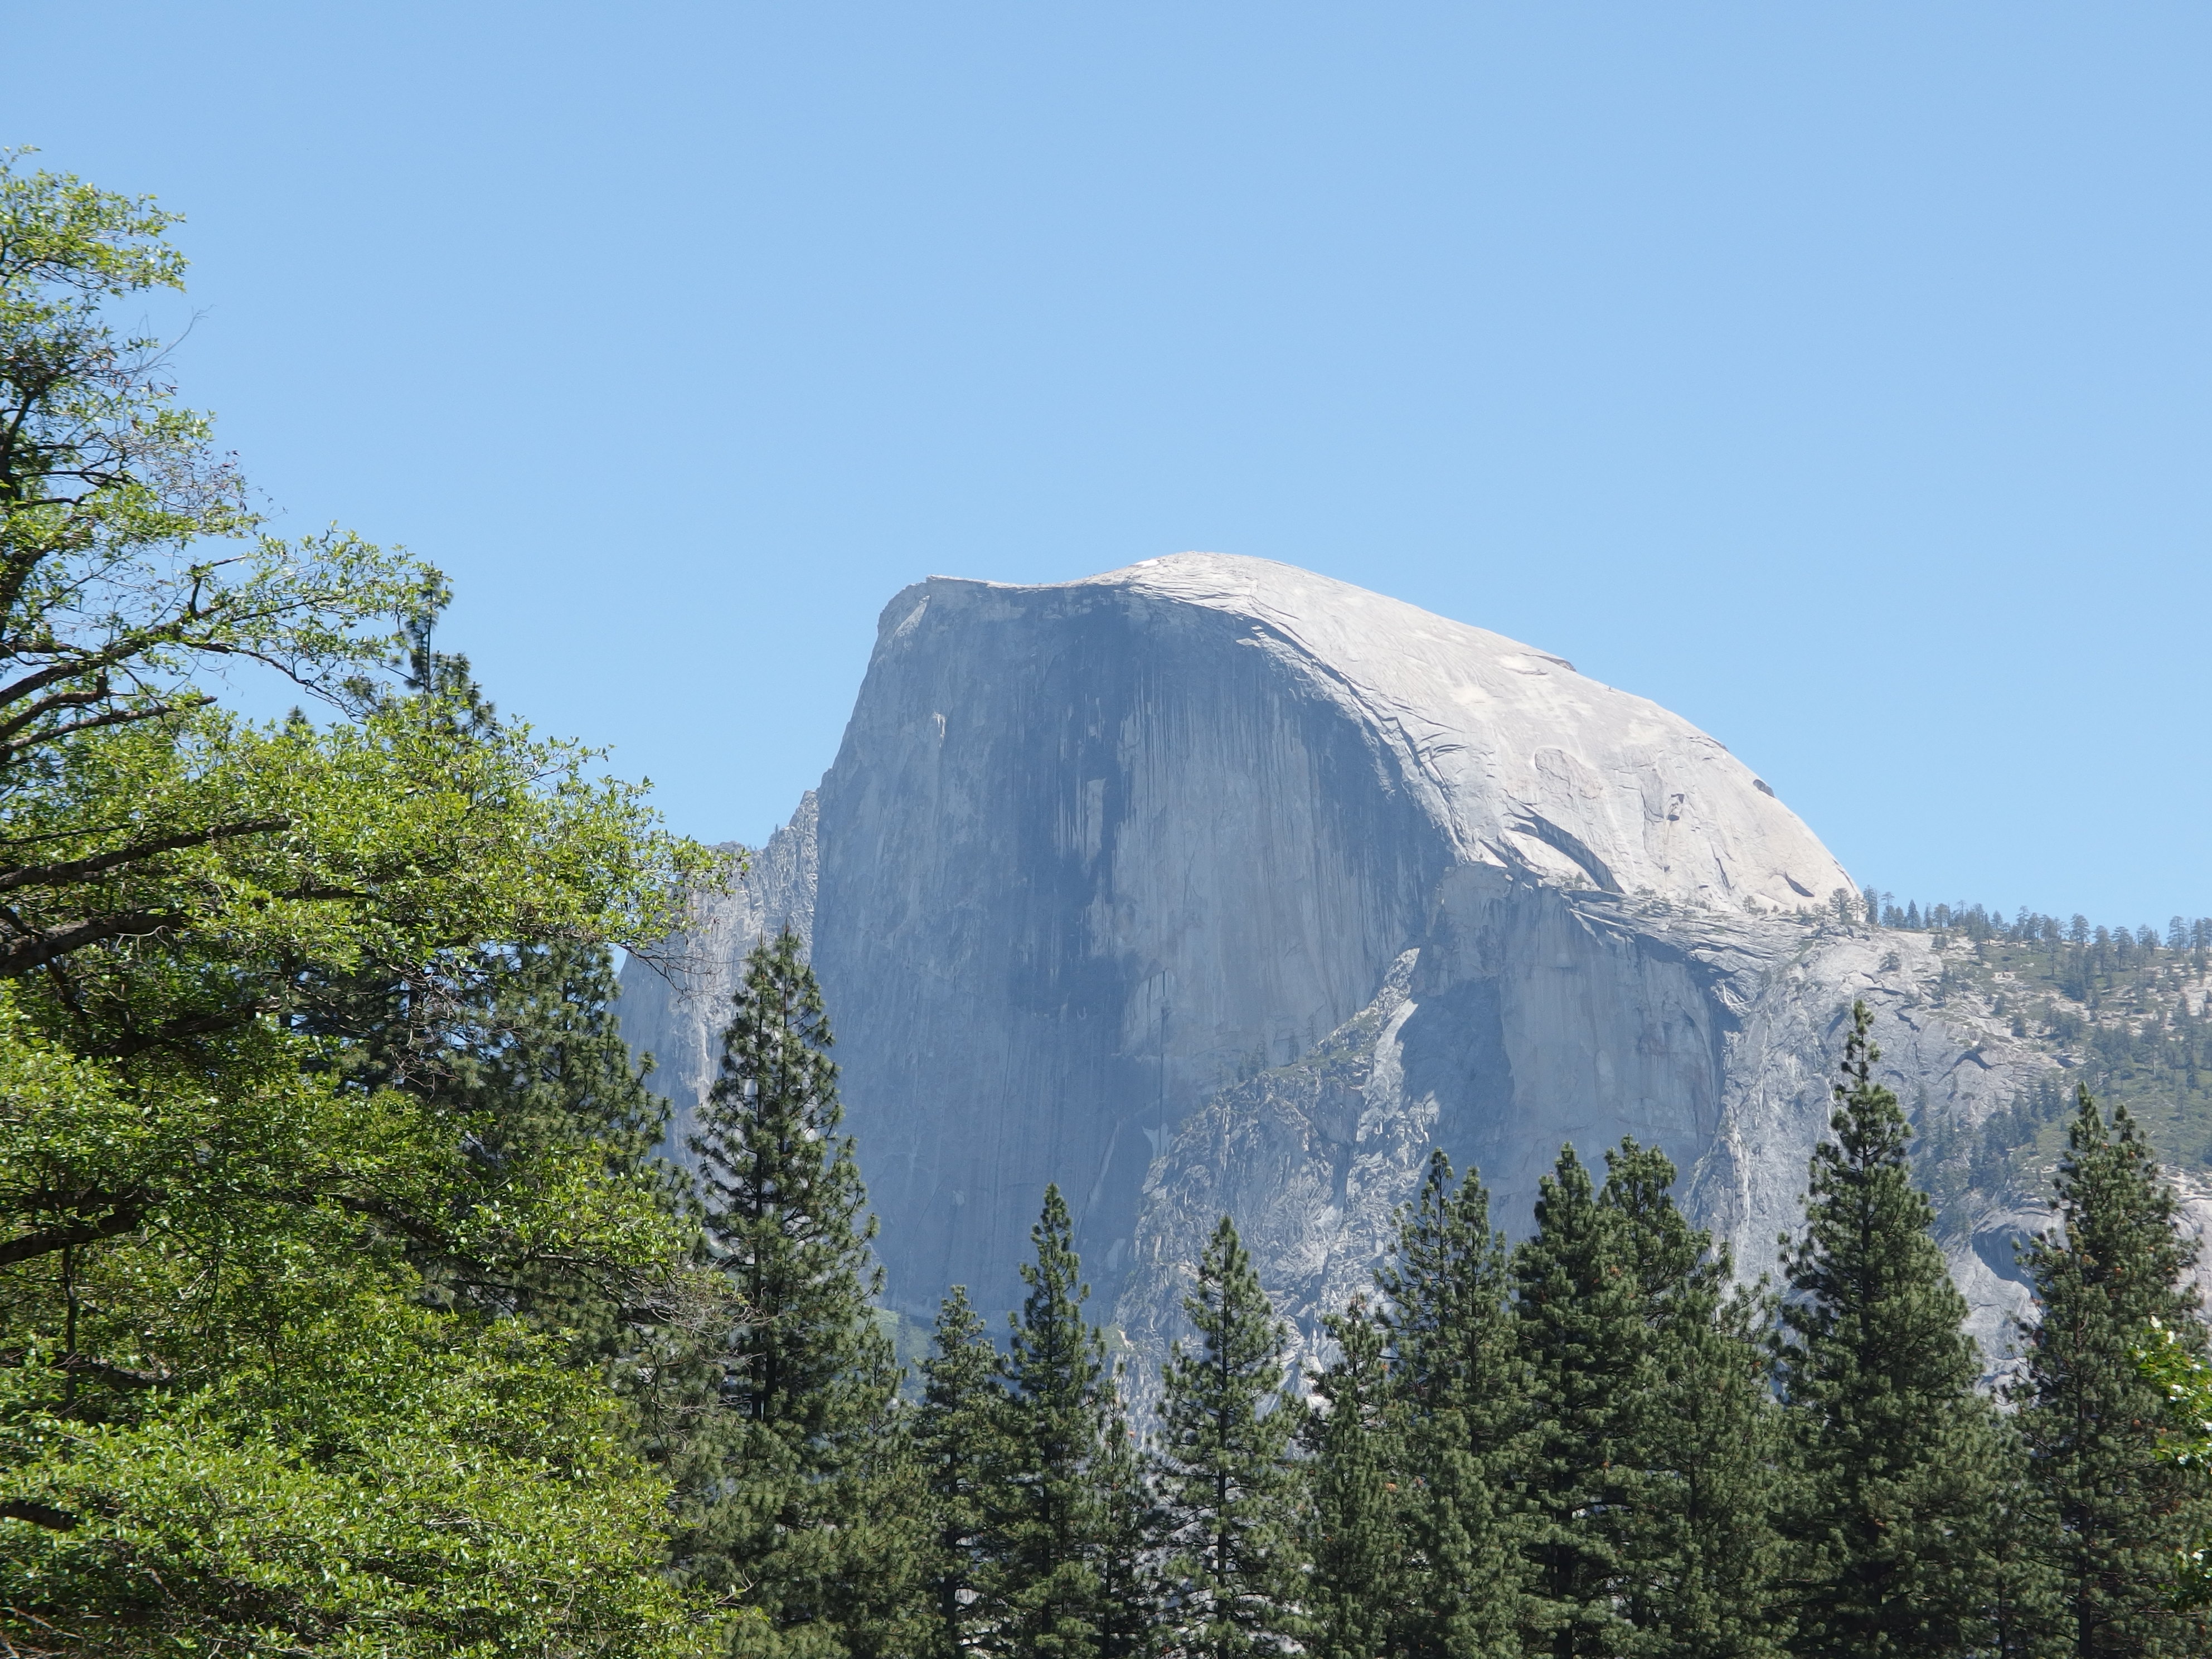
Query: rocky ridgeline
[{"x": 1211, "y": 884}]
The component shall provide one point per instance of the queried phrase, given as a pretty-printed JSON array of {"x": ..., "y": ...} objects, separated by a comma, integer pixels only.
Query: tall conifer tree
[
  {"x": 2091, "y": 1420},
  {"x": 1052, "y": 1518},
  {"x": 1460, "y": 1386},
  {"x": 1129, "y": 1525},
  {"x": 1900, "y": 1466},
  {"x": 956, "y": 1432},
  {"x": 1700, "y": 1427},
  {"x": 1357, "y": 1540},
  {"x": 797, "y": 1521},
  {"x": 1581, "y": 1314},
  {"x": 1227, "y": 1490}
]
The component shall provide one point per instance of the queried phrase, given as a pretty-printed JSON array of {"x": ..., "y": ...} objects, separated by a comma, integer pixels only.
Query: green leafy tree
[
  {"x": 1355, "y": 1513},
  {"x": 788, "y": 1510},
  {"x": 1049, "y": 1596},
  {"x": 236, "y": 1412},
  {"x": 1901, "y": 1468},
  {"x": 2174, "y": 1362},
  {"x": 2110, "y": 1281},
  {"x": 1228, "y": 1492},
  {"x": 529, "y": 1064},
  {"x": 1459, "y": 1389}
]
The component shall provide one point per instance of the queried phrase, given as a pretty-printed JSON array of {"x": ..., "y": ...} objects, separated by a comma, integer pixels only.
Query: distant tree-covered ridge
[{"x": 2125, "y": 1011}]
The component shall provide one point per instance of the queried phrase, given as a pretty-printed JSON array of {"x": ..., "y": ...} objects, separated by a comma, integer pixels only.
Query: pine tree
[
  {"x": 1228, "y": 1492},
  {"x": 1581, "y": 1314},
  {"x": 544, "y": 1070},
  {"x": 1356, "y": 1535},
  {"x": 1128, "y": 1524},
  {"x": 1900, "y": 1466},
  {"x": 1459, "y": 1388},
  {"x": 1048, "y": 1592},
  {"x": 1700, "y": 1428},
  {"x": 797, "y": 1519},
  {"x": 956, "y": 1433},
  {"x": 518, "y": 1052},
  {"x": 2115, "y": 1269}
]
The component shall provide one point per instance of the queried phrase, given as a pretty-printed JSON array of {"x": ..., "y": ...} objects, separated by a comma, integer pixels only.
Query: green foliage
[
  {"x": 1048, "y": 1592},
  {"x": 786, "y": 1210},
  {"x": 1901, "y": 1468},
  {"x": 1357, "y": 1534},
  {"x": 2173, "y": 1362},
  {"x": 229, "y": 1420},
  {"x": 956, "y": 1435},
  {"x": 392, "y": 1484},
  {"x": 802, "y": 1497},
  {"x": 1227, "y": 1490},
  {"x": 2111, "y": 1283},
  {"x": 1128, "y": 1527},
  {"x": 1697, "y": 1551},
  {"x": 1459, "y": 1390},
  {"x": 1581, "y": 1312},
  {"x": 236, "y": 1414}
]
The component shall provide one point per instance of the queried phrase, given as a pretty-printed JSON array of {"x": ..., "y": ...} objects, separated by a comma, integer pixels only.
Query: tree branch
[
  {"x": 74, "y": 869},
  {"x": 43, "y": 948},
  {"x": 113, "y": 717},
  {"x": 184, "y": 1025},
  {"x": 45, "y": 706},
  {"x": 121, "y": 1375},
  {"x": 39, "y": 1514},
  {"x": 128, "y": 1213}
]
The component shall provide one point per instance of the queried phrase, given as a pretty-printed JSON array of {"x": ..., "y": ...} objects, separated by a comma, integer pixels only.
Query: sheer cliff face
[{"x": 1210, "y": 883}]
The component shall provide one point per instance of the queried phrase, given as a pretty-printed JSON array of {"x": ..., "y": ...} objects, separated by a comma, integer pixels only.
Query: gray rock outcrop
[{"x": 1212, "y": 885}]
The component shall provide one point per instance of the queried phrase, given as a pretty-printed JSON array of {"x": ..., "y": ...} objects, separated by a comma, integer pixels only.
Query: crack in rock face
[{"x": 1211, "y": 886}]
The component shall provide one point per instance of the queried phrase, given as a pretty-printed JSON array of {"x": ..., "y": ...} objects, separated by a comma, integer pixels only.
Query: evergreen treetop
[
  {"x": 1227, "y": 1489},
  {"x": 1048, "y": 1589},
  {"x": 1579, "y": 1297},
  {"x": 808, "y": 1501},
  {"x": 1900, "y": 1465},
  {"x": 784, "y": 1205},
  {"x": 958, "y": 1430},
  {"x": 1358, "y": 1541},
  {"x": 1698, "y": 1554},
  {"x": 1459, "y": 1394},
  {"x": 2111, "y": 1281}
]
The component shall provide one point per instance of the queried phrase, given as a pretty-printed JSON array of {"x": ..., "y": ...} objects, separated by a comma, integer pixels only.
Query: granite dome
[{"x": 1212, "y": 885}]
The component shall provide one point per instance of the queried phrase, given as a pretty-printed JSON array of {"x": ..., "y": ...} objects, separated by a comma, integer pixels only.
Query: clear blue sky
[{"x": 1835, "y": 376}]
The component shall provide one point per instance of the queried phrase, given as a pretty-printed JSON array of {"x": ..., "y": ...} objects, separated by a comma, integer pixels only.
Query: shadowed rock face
[{"x": 1211, "y": 884}]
